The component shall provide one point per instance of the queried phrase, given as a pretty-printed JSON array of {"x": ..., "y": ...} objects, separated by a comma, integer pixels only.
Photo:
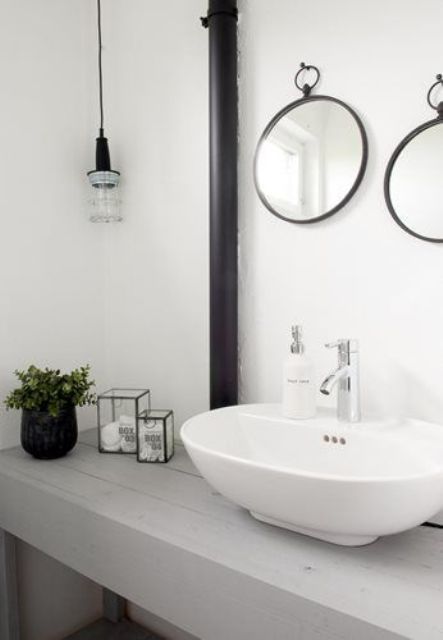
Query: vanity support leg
[
  {"x": 114, "y": 606},
  {"x": 9, "y": 621}
]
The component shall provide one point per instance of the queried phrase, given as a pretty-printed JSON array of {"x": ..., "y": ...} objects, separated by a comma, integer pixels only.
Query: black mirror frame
[
  {"x": 403, "y": 144},
  {"x": 361, "y": 172}
]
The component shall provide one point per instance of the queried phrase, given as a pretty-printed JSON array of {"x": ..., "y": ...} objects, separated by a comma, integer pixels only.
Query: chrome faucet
[{"x": 347, "y": 377}]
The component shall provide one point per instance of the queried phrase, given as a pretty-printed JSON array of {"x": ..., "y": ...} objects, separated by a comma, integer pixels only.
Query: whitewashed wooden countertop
[{"x": 162, "y": 537}]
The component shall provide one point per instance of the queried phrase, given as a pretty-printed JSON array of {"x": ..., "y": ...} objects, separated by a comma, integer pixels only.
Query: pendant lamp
[{"x": 104, "y": 201}]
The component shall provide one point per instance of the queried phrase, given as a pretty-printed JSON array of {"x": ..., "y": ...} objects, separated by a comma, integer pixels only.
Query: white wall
[
  {"x": 357, "y": 274},
  {"x": 54, "y": 601},
  {"x": 51, "y": 257},
  {"x": 132, "y": 298},
  {"x": 157, "y": 260}
]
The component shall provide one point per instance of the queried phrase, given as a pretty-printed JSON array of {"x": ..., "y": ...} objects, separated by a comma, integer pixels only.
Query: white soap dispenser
[{"x": 298, "y": 381}]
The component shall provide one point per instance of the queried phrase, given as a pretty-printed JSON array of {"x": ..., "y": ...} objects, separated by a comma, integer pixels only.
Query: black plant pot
[{"x": 47, "y": 437}]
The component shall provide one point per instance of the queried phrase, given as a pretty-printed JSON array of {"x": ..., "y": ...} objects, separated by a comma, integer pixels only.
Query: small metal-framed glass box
[
  {"x": 155, "y": 435},
  {"x": 117, "y": 411}
]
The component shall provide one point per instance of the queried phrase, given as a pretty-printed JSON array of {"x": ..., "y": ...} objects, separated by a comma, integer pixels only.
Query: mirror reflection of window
[
  {"x": 310, "y": 159},
  {"x": 280, "y": 173},
  {"x": 306, "y": 130}
]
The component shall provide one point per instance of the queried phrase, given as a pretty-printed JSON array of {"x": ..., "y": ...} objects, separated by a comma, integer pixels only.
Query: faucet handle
[{"x": 344, "y": 345}]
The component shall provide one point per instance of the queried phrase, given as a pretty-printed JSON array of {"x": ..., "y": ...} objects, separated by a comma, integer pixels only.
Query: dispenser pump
[{"x": 297, "y": 345}]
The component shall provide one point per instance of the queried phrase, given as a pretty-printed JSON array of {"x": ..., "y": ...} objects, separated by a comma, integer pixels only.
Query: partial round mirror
[
  {"x": 311, "y": 158},
  {"x": 413, "y": 186}
]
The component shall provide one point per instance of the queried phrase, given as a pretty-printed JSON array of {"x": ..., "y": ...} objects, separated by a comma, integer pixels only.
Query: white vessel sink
[{"x": 347, "y": 484}]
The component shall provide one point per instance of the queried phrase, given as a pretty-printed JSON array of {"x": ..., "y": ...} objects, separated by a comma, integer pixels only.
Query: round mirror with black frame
[
  {"x": 311, "y": 157},
  {"x": 413, "y": 186}
]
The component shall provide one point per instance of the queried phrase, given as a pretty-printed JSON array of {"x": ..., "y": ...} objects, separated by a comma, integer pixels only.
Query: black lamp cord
[
  {"x": 100, "y": 70},
  {"x": 102, "y": 157}
]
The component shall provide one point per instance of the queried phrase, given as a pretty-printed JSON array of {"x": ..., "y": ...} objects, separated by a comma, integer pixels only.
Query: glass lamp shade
[{"x": 104, "y": 201}]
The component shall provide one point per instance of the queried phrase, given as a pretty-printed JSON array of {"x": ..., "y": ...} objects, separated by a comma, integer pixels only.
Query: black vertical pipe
[{"x": 223, "y": 109}]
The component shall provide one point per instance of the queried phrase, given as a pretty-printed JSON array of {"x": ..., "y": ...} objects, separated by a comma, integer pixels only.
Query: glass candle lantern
[
  {"x": 155, "y": 436},
  {"x": 117, "y": 411}
]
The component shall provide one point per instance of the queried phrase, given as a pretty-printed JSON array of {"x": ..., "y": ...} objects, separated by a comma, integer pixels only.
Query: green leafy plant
[{"x": 52, "y": 391}]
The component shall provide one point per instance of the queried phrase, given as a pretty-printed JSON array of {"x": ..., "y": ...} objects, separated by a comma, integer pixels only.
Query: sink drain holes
[{"x": 334, "y": 439}]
